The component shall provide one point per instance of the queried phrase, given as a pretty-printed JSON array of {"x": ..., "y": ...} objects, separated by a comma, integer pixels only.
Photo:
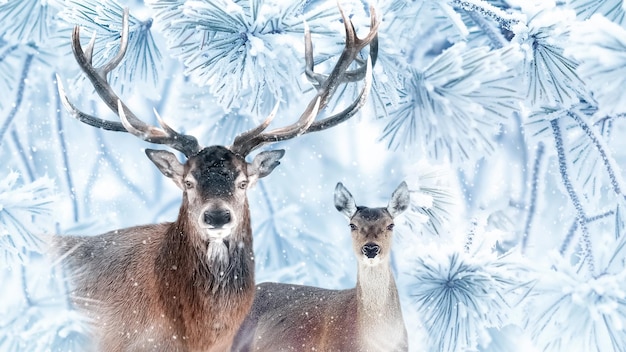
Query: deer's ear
[
  {"x": 400, "y": 200},
  {"x": 168, "y": 164},
  {"x": 264, "y": 163},
  {"x": 344, "y": 202}
]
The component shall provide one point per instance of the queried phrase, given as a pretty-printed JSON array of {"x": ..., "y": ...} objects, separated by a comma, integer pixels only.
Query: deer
[
  {"x": 187, "y": 285},
  {"x": 368, "y": 317}
]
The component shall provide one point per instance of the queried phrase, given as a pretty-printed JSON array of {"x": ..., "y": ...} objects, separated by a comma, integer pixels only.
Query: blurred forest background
[{"x": 504, "y": 117}]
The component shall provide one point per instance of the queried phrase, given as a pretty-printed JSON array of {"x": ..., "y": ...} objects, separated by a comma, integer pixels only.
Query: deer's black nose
[
  {"x": 217, "y": 218},
  {"x": 370, "y": 250}
]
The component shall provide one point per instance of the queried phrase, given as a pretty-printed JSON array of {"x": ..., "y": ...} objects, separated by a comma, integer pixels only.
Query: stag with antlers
[{"x": 187, "y": 285}]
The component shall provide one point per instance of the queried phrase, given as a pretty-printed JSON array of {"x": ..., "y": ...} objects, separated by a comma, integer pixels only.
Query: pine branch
[
  {"x": 431, "y": 201},
  {"x": 572, "y": 230},
  {"x": 550, "y": 75},
  {"x": 6, "y": 68},
  {"x": 142, "y": 58},
  {"x": 245, "y": 52},
  {"x": 587, "y": 252},
  {"x": 26, "y": 21},
  {"x": 21, "y": 205},
  {"x": 599, "y": 46},
  {"x": 18, "y": 98},
  {"x": 455, "y": 105},
  {"x": 609, "y": 164},
  {"x": 66, "y": 163},
  {"x": 284, "y": 240},
  {"x": 506, "y": 20},
  {"x": 497, "y": 39},
  {"x": 24, "y": 155},
  {"x": 533, "y": 195},
  {"x": 569, "y": 311},
  {"x": 469, "y": 240},
  {"x": 614, "y": 10},
  {"x": 460, "y": 295}
]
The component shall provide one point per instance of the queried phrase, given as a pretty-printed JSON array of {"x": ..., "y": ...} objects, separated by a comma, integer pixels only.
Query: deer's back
[
  {"x": 114, "y": 283},
  {"x": 99, "y": 265},
  {"x": 288, "y": 317}
]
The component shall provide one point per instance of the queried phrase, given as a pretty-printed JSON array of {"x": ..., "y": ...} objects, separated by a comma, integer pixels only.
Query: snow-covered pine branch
[
  {"x": 21, "y": 205},
  {"x": 103, "y": 19},
  {"x": 26, "y": 21},
  {"x": 549, "y": 75},
  {"x": 600, "y": 47},
  {"x": 248, "y": 53},
  {"x": 461, "y": 295},
  {"x": 614, "y": 10},
  {"x": 463, "y": 89}
]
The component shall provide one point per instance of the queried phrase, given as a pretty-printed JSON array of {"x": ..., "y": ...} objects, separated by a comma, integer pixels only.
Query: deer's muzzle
[
  {"x": 370, "y": 250},
  {"x": 217, "y": 218}
]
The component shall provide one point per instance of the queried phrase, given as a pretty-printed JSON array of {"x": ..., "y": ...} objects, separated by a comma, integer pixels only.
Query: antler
[
  {"x": 184, "y": 143},
  {"x": 326, "y": 85}
]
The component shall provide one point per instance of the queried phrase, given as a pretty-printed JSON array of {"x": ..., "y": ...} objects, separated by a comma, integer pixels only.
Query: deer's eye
[
  {"x": 243, "y": 184},
  {"x": 390, "y": 227},
  {"x": 188, "y": 184},
  {"x": 353, "y": 227}
]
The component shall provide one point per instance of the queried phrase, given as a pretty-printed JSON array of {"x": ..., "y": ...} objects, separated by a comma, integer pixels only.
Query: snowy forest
[{"x": 503, "y": 117}]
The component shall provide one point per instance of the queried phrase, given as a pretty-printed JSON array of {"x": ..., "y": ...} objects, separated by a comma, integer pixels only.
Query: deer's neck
[
  {"x": 376, "y": 288},
  {"x": 205, "y": 270},
  {"x": 192, "y": 285},
  {"x": 218, "y": 266},
  {"x": 379, "y": 316}
]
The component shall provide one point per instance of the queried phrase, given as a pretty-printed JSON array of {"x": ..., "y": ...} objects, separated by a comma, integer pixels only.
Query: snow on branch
[
  {"x": 26, "y": 21},
  {"x": 614, "y": 10},
  {"x": 600, "y": 47},
  {"x": 455, "y": 105},
  {"x": 19, "y": 97},
  {"x": 6, "y": 52},
  {"x": 142, "y": 58},
  {"x": 550, "y": 75},
  {"x": 20, "y": 205},
  {"x": 586, "y": 243},
  {"x": 459, "y": 295},
  {"x": 432, "y": 200},
  {"x": 572, "y": 312},
  {"x": 534, "y": 188},
  {"x": 44, "y": 327},
  {"x": 249, "y": 54},
  {"x": 283, "y": 243},
  {"x": 590, "y": 152},
  {"x": 506, "y": 20}
]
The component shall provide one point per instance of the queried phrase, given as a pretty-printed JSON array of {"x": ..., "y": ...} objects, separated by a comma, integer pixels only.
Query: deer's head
[
  {"x": 214, "y": 179},
  {"x": 214, "y": 183},
  {"x": 371, "y": 228}
]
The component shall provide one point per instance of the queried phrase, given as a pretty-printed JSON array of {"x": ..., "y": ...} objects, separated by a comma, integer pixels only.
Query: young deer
[
  {"x": 365, "y": 318},
  {"x": 187, "y": 285}
]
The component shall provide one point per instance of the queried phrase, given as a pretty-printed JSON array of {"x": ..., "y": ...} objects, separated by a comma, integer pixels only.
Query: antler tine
[
  {"x": 83, "y": 117},
  {"x": 90, "y": 46},
  {"x": 97, "y": 76},
  {"x": 326, "y": 85},
  {"x": 186, "y": 144},
  {"x": 121, "y": 52},
  {"x": 350, "y": 75},
  {"x": 352, "y": 109},
  {"x": 371, "y": 39},
  {"x": 315, "y": 78},
  {"x": 246, "y": 136}
]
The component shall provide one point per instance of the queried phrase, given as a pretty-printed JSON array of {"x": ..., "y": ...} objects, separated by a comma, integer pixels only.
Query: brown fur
[
  {"x": 368, "y": 317},
  {"x": 155, "y": 287},
  {"x": 168, "y": 306}
]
